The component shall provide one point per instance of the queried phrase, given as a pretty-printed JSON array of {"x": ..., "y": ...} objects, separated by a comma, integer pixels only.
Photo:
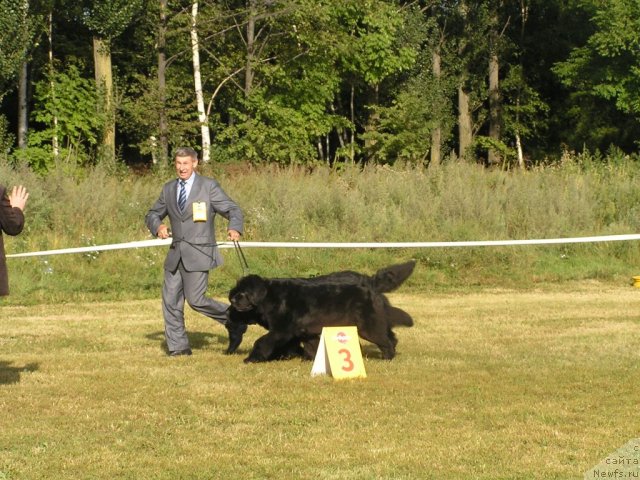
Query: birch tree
[
  {"x": 22, "y": 86},
  {"x": 163, "y": 126},
  {"x": 197, "y": 83}
]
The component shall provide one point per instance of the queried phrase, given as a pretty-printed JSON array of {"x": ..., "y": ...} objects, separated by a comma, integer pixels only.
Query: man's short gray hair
[{"x": 186, "y": 152}]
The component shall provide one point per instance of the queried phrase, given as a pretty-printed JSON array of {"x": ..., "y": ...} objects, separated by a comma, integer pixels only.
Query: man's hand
[
  {"x": 163, "y": 232},
  {"x": 233, "y": 235},
  {"x": 18, "y": 197}
]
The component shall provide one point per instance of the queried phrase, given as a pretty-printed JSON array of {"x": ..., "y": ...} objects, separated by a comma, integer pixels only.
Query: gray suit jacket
[{"x": 194, "y": 242}]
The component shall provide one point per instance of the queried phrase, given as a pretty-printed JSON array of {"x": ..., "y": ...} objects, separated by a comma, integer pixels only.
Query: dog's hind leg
[
  {"x": 310, "y": 346},
  {"x": 289, "y": 350},
  {"x": 383, "y": 341},
  {"x": 393, "y": 338},
  {"x": 388, "y": 350}
]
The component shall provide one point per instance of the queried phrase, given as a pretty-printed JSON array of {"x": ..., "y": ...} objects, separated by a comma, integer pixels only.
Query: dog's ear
[{"x": 256, "y": 289}]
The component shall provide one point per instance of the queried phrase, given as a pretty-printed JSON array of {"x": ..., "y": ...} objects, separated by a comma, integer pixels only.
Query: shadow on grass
[
  {"x": 9, "y": 374},
  {"x": 197, "y": 340}
]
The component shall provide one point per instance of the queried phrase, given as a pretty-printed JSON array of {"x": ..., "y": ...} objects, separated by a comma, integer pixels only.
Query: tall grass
[{"x": 457, "y": 201}]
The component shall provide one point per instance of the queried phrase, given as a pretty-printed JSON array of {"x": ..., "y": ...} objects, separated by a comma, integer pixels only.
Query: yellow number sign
[{"x": 339, "y": 354}]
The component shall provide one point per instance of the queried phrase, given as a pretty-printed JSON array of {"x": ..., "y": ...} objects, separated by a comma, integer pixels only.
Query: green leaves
[
  {"x": 608, "y": 65},
  {"x": 66, "y": 112},
  {"x": 15, "y": 38},
  {"x": 374, "y": 51},
  {"x": 109, "y": 18}
]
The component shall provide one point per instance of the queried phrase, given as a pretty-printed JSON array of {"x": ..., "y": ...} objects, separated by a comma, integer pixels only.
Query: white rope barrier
[{"x": 480, "y": 243}]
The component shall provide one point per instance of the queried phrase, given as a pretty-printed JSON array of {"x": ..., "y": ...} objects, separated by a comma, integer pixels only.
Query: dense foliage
[{"x": 305, "y": 81}]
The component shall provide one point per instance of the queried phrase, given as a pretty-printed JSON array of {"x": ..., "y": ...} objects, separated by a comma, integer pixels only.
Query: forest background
[
  {"x": 377, "y": 120},
  {"x": 302, "y": 81}
]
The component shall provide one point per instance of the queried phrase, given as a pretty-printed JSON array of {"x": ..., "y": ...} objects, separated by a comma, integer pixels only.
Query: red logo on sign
[{"x": 342, "y": 337}]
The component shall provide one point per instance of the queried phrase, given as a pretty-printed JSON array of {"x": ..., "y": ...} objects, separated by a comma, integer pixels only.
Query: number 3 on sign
[
  {"x": 339, "y": 353},
  {"x": 347, "y": 363}
]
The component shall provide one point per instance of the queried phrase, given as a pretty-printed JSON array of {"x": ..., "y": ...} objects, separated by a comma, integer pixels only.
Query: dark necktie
[{"x": 182, "y": 198}]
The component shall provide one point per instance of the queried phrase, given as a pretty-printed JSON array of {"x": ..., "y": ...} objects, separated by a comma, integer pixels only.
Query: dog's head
[{"x": 248, "y": 293}]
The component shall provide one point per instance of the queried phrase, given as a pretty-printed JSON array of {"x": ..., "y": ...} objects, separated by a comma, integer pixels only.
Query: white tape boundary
[{"x": 480, "y": 243}]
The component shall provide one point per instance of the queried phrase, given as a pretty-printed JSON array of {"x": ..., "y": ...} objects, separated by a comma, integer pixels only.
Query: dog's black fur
[
  {"x": 294, "y": 310},
  {"x": 383, "y": 281}
]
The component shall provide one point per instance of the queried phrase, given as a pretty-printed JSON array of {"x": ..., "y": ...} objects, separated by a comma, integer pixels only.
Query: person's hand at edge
[{"x": 18, "y": 197}]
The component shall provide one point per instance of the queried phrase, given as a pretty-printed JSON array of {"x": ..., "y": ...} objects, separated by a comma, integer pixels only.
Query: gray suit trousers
[{"x": 179, "y": 286}]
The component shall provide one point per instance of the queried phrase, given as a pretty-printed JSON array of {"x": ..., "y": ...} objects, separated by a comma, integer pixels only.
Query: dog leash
[{"x": 241, "y": 258}]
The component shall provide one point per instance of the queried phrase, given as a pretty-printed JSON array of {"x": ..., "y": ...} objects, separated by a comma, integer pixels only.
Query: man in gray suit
[{"x": 191, "y": 202}]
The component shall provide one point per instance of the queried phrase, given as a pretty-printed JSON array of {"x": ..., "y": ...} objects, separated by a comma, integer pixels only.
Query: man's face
[{"x": 185, "y": 167}]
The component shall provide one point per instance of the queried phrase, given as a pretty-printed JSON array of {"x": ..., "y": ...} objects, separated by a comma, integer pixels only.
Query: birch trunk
[
  {"x": 22, "y": 94},
  {"x": 251, "y": 37},
  {"x": 519, "y": 150},
  {"x": 352, "y": 112},
  {"x": 197, "y": 81},
  {"x": 22, "y": 107},
  {"x": 54, "y": 140},
  {"x": 162, "y": 85}
]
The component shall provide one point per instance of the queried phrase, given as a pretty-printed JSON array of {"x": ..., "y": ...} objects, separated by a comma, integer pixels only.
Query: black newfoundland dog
[{"x": 294, "y": 310}]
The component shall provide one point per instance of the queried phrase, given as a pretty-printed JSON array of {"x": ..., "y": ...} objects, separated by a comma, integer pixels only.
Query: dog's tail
[{"x": 389, "y": 278}]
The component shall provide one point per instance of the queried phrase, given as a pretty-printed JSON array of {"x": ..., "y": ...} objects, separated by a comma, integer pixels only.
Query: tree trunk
[
  {"x": 54, "y": 140},
  {"x": 352, "y": 113},
  {"x": 22, "y": 106},
  {"x": 372, "y": 121},
  {"x": 251, "y": 37},
  {"x": 162, "y": 85},
  {"x": 436, "y": 134},
  {"x": 202, "y": 114},
  {"x": 524, "y": 14},
  {"x": 104, "y": 80},
  {"x": 495, "y": 117},
  {"x": 465, "y": 134},
  {"x": 495, "y": 114},
  {"x": 519, "y": 149}
]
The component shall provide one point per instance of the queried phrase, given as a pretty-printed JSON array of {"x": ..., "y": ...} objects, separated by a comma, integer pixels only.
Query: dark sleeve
[
  {"x": 156, "y": 214},
  {"x": 11, "y": 218}
]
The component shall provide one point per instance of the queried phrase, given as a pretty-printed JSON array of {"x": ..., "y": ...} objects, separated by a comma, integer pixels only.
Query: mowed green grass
[{"x": 493, "y": 384}]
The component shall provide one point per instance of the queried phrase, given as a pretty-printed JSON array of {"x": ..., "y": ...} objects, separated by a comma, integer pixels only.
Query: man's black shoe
[{"x": 176, "y": 353}]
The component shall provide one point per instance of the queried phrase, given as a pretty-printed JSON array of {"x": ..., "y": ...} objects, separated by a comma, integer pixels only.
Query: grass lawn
[{"x": 489, "y": 385}]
